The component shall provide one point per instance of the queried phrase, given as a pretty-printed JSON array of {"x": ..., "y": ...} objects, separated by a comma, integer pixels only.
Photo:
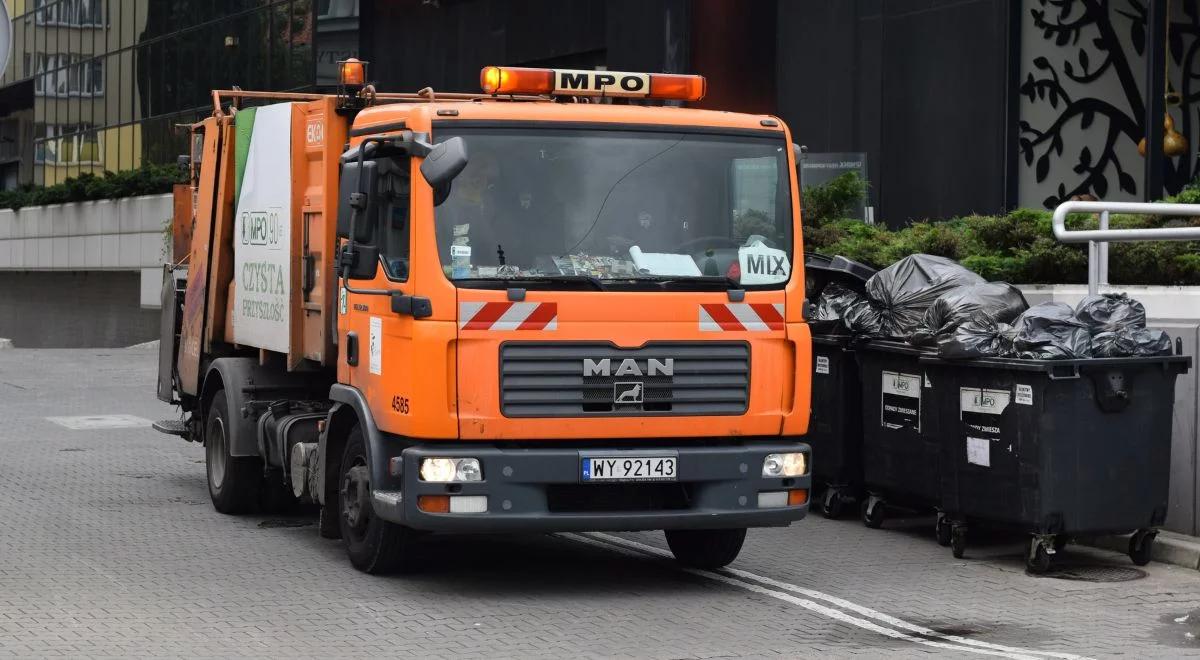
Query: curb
[{"x": 1169, "y": 548}]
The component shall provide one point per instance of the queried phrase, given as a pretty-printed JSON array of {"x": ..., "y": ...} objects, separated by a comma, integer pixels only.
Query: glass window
[
  {"x": 71, "y": 13},
  {"x": 393, "y": 229},
  {"x": 617, "y": 205}
]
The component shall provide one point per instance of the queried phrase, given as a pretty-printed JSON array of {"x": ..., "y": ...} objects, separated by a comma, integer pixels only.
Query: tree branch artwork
[{"x": 1085, "y": 33}]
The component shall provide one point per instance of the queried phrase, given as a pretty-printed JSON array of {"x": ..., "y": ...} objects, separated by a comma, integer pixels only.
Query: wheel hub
[
  {"x": 355, "y": 498},
  {"x": 215, "y": 452}
]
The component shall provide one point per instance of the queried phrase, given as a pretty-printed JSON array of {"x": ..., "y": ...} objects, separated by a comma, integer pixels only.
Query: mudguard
[
  {"x": 377, "y": 455},
  {"x": 249, "y": 387}
]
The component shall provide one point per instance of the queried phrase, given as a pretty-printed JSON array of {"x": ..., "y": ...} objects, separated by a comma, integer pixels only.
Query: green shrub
[
  {"x": 1018, "y": 247},
  {"x": 835, "y": 199},
  {"x": 148, "y": 180}
]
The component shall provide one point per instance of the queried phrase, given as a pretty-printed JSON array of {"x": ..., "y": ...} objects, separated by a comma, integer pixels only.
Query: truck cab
[{"x": 547, "y": 312}]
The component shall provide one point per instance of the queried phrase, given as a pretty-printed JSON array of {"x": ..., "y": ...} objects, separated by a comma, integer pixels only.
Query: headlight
[
  {"x": 451, "y": 469},
  {"x": 785, "y": 465}
]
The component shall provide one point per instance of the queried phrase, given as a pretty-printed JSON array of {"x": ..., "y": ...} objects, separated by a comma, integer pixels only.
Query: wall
[
  {"x": 1176, "y": 310},
  {"x": 920, "y": 86},
  {"x": 83, "y": 275}
]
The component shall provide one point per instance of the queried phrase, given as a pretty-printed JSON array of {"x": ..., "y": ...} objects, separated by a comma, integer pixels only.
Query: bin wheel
[
  {"x": 873, "y": 512},
  {"x": 941, "y": 530},
  {"x": 958, "y": 540},
  {"x": 1038, "y": 560},
  {"x": 1140, "y": 546},
  {"x": 832, "y": 506}
]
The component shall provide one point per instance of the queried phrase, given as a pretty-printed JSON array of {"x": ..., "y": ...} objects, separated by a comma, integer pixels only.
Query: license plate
[{"x": 629, "y": 468}]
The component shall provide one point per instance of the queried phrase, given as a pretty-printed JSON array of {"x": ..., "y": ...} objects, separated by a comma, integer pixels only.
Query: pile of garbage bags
[{"x": 933, "y": 302}]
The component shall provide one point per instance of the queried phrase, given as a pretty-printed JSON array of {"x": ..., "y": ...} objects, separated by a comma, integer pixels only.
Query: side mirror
[
  {"x": 366, "y": 204},
  {"x": 363, "y": 261},
  {"x": 445, "y": 162}
]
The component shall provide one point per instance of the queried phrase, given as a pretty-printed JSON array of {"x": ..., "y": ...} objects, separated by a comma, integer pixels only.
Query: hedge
[
  {"x": 148, "y": 180},
  {"x": 1018, "y": 247}
]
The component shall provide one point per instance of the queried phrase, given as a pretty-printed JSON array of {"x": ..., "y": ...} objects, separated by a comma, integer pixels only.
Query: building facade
[
  {"x": 956, "y": 106},
  {"x": 95, "y": 85}
]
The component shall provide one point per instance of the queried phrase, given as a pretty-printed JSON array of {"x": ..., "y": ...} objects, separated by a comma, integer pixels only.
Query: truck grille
[{"x": 599, "y": 379}]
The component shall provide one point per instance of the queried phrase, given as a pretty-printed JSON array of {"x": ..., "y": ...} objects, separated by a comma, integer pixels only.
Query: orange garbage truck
[{"x": 562, "y": 304}]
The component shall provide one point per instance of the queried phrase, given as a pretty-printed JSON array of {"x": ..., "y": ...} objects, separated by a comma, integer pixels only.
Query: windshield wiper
[
  {"x": 664, "y": 280},
  {"x": 595, "y": 282}
]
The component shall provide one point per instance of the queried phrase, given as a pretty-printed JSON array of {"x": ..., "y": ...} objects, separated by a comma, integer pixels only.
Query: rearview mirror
[
  {"x": 363, "y": 261},
  {"x": 349, "y": 201},
  {"x": 445, "y": 162}
]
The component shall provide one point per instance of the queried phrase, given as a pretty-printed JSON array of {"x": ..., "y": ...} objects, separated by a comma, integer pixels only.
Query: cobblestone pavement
[{"x": 109, "y": 547}]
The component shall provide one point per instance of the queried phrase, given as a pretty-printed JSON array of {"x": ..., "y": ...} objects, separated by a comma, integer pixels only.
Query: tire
[
  {"x": 941, "y": 531},
  {"x": 234, "y": 482},
  {"x": 873, "y": 513},
  {"x": 1040, "y": 560},
  {"x": 958, "y": 541},
  {"x": 1141, "y": 546},
  {"x": 705, "y": 548},
  {"x": 832, "y": 506},
  {"x": 373, "y": 545}
]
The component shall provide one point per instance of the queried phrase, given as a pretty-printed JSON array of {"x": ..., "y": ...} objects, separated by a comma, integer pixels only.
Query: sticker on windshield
[
  {"x": 763, "y": 265},
  {"x": 460, "y": 261}
]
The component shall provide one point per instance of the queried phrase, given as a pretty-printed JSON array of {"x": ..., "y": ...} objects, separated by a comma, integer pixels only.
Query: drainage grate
[{"x": 1094, "y": 573}]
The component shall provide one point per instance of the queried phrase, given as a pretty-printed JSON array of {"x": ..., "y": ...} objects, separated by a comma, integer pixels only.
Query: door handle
[
  {"x": 352, "y": 348},
  {"x": 414, "y": 306}
]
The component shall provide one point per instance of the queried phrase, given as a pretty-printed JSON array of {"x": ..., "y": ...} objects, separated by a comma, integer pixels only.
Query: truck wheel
[
  {"x": 705, "y": 548},
  {"x": 234, "y": 482},
  {"x": 374, "y": 545}
]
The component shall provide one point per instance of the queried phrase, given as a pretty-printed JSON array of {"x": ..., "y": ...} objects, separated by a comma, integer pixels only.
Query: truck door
[{"x": 377, "y": 342}]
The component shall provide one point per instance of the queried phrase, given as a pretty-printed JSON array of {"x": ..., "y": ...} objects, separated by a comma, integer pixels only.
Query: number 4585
[{"x": 400, "y": 404}]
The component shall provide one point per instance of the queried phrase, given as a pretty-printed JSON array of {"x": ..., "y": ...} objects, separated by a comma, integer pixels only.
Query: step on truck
[{"x": 562, "y": 304}]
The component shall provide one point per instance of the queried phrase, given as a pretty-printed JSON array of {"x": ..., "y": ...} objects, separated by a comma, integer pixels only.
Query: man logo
[
  {"x": 628, "y": 367},
  {"x": 628, "y": 392}
]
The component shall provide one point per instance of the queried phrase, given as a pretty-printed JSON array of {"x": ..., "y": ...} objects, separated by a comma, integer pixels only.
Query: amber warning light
[{"x": 568, "y": 82}]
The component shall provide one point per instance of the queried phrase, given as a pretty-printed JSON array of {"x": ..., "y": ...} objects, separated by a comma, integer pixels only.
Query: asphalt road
[{"x": 109, "y": 547}]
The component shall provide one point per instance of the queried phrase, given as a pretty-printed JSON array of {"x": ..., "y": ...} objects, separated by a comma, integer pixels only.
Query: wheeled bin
[
  {"x": 835, "y": 424},
  {"x": 900, "y": 448},
  {"x": 1056, "y": 448}
]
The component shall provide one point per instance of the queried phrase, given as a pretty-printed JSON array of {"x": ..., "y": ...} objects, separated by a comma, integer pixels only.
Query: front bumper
[{"x": 540, "y": 490}]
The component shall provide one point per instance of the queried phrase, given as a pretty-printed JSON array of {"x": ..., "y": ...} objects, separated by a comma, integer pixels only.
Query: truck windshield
[{"x": 609, "y": 208}]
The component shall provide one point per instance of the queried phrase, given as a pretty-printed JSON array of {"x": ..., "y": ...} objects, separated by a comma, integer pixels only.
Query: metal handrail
[{"x": 1098, "y": 239}]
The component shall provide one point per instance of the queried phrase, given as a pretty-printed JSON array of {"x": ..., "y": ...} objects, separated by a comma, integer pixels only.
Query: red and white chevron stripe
[
  {"x": 741, "y": 317},
  {"x": 507, "y": 316}
]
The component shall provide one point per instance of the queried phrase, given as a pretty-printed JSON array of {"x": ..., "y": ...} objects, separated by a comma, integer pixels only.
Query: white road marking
[{"x": 898, "y": 626}]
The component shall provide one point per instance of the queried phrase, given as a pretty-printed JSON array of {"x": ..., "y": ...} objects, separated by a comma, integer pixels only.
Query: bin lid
[
  {"x": 890, "y": 346},
  {"x": 1180, "y": 363},
  {"x": 850, "y": 274}
]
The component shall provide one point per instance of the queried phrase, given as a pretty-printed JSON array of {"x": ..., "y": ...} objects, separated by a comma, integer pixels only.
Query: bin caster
[
  {"x": 958, "y": 540},
  {"x": 873, "y": 512},
  {"x": 833, "y": 505},
  {"x": 1140, "y": 546},
  {"x": 941, "y": 530},
  {"x": 1060, "y": 542},
  {"x": 1041, "y": 554}
]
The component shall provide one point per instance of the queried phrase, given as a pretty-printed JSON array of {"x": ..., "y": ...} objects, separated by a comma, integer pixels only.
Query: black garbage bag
[
  {"x": 999, "y": 301},
  {"x": 979, "y": 336},
  {"x": 1135, "y": 342},
  {"x": 1110, "y": 311},
  {"x": 835, "y": 299},
  {"x": 900, "y": 294},
  {"x": 1050, "y": 331}
]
